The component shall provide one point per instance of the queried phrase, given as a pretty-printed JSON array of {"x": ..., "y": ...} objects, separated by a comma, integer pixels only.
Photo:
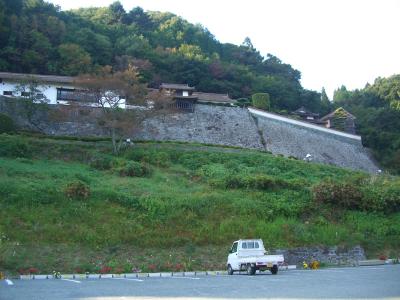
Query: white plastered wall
[{"x": 48, "y": 90}]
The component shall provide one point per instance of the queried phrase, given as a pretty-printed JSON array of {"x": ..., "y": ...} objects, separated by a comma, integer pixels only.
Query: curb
[
  {"x": 137, "y": 275},
  {"x": 372, "y": 262}
]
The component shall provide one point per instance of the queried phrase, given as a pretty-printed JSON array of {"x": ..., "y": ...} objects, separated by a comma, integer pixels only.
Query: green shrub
[
  {"x": 259, "y": 181},
  {"x": 261, "y": 101},
  {"x": 382, "y": 195},
  {"x": 151, "y": 156},
  {"x": 101, "y": 162},
  {"x": 77, "y": 190},
  {"x": 115, "y": 196},
  {"x": 45, "y": 193},
  {"x": 6, "y": 124},
  {"x": 134, "y": 169},
  {"x": 243, "y": 102},
  {"x": 342, "y": 194},
  {"x": 15, "y": 148}
]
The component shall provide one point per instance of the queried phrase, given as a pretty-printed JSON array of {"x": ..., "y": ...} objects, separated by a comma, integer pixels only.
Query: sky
[{"x": 331, "y": 42}]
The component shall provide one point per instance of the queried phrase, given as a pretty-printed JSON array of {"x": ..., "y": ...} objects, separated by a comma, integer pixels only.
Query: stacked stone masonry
[
  {"x": 327, "y": 255},
  {"x": 218, "y": 125},
  {"x": 328, "y": 148}
]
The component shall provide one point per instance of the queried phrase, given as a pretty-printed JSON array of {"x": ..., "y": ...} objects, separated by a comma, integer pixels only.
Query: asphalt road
[{"x": 339, "y": 283}]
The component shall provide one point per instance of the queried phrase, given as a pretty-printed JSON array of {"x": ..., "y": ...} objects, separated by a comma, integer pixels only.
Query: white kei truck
[{"x": 250, "y": 255}]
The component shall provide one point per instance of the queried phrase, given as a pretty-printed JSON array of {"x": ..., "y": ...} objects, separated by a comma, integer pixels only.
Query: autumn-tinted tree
[{"x": 121, "y": 100}]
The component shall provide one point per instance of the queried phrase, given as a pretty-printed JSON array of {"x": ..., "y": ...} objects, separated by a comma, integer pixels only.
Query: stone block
[
  {"x": 201, "y": 273},
  {"x": 371, "y": 262},
  {"x": 42, "y": 276}
]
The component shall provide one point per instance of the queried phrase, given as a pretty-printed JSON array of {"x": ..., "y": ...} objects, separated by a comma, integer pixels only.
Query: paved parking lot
[{"x": 361, "y": 282}]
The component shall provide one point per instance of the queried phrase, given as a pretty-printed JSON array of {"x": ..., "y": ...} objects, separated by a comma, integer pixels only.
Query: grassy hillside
[{"x": 69, "y": 205}]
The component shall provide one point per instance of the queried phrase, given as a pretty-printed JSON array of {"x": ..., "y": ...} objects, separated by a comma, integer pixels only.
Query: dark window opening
[
  {"x": 7, "y": 93},
  {"x": 74, "y": 95},
  {"x": 234, "y": 247}
]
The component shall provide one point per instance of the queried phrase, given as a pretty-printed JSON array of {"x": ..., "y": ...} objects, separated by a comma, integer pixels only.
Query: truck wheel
[
  {"x": 251, "y": 270},
  {"x": 274, "y": 270},
  {"x": 230, "y": 270}
]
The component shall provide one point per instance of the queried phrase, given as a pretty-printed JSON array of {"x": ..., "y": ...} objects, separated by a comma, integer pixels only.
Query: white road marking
[
  {"x": 192, "y": 278},
  {"x": 71, "y": 280},
  {"x": 9, "y": 282},
  {"x": 331, "y": 270},
  {"x": 131, "y": 279}
]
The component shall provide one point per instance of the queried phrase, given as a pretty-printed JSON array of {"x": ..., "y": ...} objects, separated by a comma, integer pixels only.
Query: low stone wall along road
[{"x": 336, "y": 283}]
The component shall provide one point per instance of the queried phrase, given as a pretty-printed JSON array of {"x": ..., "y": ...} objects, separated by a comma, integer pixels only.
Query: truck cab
[{"x": 250, "y": 256}]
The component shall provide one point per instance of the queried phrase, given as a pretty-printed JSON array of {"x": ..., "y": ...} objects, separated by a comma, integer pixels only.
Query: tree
[
  {"x": 261, "y": 100},
  {"x": 247, "y": 43},
  {"x": 117, "y": 12},
  {"x": 388, "y": 89},
  {"x": 341, "y": 95},
  {"x": 73, "y": 59},
  {"x": 111, "y": 92},
  {"x": 33, "y": 100},
  {"x": 325, "y": 102},
  {"x": 324, "y": 96},
  {"x": 140, "y": 18}
]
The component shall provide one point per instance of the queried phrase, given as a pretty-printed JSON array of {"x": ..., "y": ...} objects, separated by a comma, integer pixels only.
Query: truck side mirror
[{"x": 230, "y": 251}]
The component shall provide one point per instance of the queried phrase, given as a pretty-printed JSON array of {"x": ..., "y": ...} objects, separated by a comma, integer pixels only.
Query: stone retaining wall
[
  {"x": 209, "y": 124},
  {"x": 328, "y": 255},
  {"x": 231, "y": 126},
  {"x": 281, "y": 137}
]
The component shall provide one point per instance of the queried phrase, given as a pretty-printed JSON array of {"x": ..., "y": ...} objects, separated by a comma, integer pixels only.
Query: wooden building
[
  {"x": 185, "y": 96},
  {"x": 182, "y": 95},
  {"x": 340, "y": 119},
  {"x": 308, "y": 116},
  {"x": 214, "y": 98}
]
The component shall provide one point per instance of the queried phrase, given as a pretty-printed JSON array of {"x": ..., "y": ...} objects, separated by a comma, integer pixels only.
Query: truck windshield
[{"x": 250, "y": 245}]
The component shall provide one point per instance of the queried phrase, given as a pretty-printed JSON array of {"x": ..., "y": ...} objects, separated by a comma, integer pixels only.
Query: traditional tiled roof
[
  {"x": 176, "y": 86},
  {"x": 41, "y": 78},
  {"x": 304, "y": 111},
  {"x": 213, "y": 97}
]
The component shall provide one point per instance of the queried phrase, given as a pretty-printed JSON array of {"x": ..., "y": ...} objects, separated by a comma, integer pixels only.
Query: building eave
[{"x": 40, "y": 78}]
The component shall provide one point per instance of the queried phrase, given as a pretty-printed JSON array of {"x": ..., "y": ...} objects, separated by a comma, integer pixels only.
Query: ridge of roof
[
  {"x": 178, "y": 86},
  {"x": 331, "y": 114},
  {"x": 44, "y": 78}
]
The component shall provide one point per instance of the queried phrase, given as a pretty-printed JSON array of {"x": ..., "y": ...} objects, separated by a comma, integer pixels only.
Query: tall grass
[{"x": 193, "y": 196}]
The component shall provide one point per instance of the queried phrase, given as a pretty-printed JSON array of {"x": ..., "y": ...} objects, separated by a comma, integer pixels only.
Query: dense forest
[
  {"x": 37, "y": 37},
  {"x": 377, "y": 109}
]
